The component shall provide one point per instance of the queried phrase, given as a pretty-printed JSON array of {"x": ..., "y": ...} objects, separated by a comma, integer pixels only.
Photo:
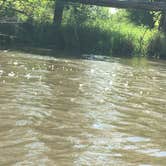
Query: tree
[
  {"x": 58, "y": 12},
  {"x": 141, "y": 17}
]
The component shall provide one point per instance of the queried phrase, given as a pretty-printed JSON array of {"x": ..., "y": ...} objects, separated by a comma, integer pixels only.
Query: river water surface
[{"x": 74, "y": 112}]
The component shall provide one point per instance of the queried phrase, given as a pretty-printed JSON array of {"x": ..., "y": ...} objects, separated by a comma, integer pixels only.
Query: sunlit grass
[{"x": 109, "y": 36}]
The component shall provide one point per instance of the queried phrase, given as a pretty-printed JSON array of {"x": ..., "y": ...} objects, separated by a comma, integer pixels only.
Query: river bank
[{"x": 109, "y": 36}]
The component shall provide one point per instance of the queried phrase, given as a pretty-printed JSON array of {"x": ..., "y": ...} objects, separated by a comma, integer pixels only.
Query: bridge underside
[
  {"x": 128, "y": 4},
  {"x": 124, "y": 4}
]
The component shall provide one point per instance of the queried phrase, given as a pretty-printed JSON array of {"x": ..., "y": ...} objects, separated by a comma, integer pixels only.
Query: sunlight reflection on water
[{"x": 82, "y": 112}]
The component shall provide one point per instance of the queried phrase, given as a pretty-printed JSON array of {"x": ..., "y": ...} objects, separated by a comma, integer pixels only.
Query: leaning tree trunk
[{"x": 58, "y": 12}]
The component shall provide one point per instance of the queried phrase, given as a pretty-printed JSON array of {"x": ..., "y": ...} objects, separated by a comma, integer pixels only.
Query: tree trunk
[
  {"x": 162, "y": 24},
  {"x": 58, "y": 12}
]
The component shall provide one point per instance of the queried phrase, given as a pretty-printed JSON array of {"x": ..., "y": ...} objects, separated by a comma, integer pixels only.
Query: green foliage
[
  {"x": 157, "y": 46},
  {"x": 141, "y": 17},
  {"x": 112, "y": 35},
  {"x": 82, "y": 14},
  {"x": 40, "y": 11},
  {"x": 85, "y": 29}
]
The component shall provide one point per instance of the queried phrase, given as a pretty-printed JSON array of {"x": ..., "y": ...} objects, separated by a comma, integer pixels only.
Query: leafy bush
[{"x": 157, "y": 46}]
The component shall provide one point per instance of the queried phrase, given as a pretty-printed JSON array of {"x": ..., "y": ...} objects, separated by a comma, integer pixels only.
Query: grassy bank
[{"x": 111, "y": 36}]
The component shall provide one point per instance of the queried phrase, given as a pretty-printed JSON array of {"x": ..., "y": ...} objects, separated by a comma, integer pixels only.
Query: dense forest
[{"x": 79, "y": 28}]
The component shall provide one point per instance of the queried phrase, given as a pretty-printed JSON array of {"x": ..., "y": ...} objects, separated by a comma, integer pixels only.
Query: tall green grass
[{"x": 108, "y": 37}]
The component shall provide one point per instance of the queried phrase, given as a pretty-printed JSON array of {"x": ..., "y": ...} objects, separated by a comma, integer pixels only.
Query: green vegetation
[{"x": 82, "y": 29}]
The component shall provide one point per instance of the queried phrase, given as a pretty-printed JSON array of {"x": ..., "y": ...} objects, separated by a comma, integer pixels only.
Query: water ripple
[{"x": 82, "y": 112}]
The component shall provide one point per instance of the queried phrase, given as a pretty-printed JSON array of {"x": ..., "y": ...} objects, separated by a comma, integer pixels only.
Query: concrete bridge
[
  {"x": 124, "y": 4},
  {"x": 135, "y": 4}
]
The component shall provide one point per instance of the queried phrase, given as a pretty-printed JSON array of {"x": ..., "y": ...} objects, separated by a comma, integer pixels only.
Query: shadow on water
[{"x": 48, "y": 52}]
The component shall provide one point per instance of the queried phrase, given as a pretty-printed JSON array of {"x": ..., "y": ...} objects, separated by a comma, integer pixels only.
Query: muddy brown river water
[{"x": 78, "y": 112}]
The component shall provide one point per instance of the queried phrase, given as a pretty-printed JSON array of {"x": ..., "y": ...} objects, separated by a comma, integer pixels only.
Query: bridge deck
[{"x": 154, "y": 6}]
